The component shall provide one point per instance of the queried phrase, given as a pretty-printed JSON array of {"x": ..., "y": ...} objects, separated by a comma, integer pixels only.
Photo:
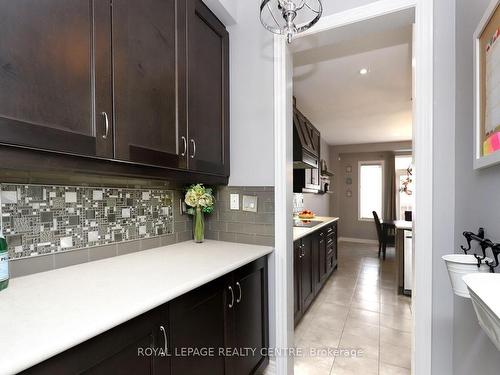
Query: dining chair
[{"x": 385, "y": 236}]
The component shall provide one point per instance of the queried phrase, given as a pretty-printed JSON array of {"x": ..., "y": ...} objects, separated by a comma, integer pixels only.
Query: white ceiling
[{"x": 349, "y": 108}]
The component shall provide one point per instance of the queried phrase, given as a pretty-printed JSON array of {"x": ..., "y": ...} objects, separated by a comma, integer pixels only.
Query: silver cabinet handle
[
  {"x": 238, "y": 300},
  {"x": 232, "y": 297},
  {"x": 106, "y": 122},
  {"x": 164, "y": 338},
  {"x": 184, "y": 140},
  {"x": 194, "y": 148}
]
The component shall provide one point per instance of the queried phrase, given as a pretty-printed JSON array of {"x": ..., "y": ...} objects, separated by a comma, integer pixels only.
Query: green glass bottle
[{"x": 4, "y": 263}]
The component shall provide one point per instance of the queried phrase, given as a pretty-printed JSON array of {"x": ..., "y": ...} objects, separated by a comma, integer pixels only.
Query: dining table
[{"x": 399, "y": 226}]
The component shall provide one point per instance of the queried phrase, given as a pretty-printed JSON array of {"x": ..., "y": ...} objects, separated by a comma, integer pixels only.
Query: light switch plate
[
  {"x": 250, "y": 203},
  {"x": 235, "y": 201}
]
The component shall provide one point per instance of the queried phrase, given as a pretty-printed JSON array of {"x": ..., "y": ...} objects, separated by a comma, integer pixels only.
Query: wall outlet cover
[
  {"x": 250, "y": 203},
  {"x": 234, "y": 202}
]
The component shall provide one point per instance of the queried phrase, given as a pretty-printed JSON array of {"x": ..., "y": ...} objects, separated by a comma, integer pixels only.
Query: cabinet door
[
  {"x": 121, "y": 350},
  {"x": 323, "y": 269},
  {"x": 208, "y": 90},
  {"x": 55, "y": 75},
  {"x": 315, "y": 261},
  {"x": 297, "y": 301},
  {"x": 198, "y": 320},
  {"x": 145, "y": 53},
  {"x": 306, "y": 268},
  {"x": 250, "y": 316}
]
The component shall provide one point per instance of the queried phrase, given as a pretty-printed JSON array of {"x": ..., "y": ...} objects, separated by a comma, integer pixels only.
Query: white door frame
[{"x": 423, "y": 151}]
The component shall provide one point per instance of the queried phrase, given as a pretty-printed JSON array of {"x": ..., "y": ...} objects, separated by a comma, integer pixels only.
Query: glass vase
[{"x": 198, "y": 226}]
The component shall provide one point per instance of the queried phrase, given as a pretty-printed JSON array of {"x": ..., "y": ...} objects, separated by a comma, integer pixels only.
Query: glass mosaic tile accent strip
[{"x": 39, "y": 219}]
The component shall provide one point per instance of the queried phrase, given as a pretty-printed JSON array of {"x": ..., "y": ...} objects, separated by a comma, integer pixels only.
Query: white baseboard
[{"x": 358, "y": 240}]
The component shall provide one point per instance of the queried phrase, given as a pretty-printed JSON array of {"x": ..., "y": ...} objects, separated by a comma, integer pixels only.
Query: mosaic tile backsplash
[{"x": 44, "y": 219}]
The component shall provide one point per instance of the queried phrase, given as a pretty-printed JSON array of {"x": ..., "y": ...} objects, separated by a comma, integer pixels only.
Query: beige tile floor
[{"x": 358, "y": 309}]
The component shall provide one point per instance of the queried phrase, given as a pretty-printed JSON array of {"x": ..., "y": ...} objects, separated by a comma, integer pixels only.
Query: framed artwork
[
  {"x": 348, "y": 169},
  {"x": 348, "y": 181},
  {"x": 487, "y": 88},
  {"x": 348, "y": 193}
]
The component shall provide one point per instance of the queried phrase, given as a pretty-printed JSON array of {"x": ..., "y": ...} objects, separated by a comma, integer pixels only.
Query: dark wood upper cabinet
[
  {"x": 207, "y": 90},
  {"x": 145, "y": 82},
  {"x": 145, "y": 55},
  {"x": 54, "y": 75}
]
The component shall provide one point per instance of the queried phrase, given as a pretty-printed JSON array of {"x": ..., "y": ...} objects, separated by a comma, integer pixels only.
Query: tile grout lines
[{"x": 347, "y": 317}]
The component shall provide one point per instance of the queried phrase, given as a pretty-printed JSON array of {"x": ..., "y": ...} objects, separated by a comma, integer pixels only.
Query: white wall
[
  {"x": 225, "y": 10},
  {"x": 477, "y": 198},
  {"x": 335, "y": 6},
  {"x": 252, "y": 110}
]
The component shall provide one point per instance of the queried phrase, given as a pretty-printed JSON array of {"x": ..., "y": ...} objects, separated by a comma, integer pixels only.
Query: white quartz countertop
[
  {"x": 47, "y": 313},
  {"x": 298, "y": 233}
]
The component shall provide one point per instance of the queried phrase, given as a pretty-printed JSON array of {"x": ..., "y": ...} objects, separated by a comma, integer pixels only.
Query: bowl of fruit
[{"x": 306, "y": 214}]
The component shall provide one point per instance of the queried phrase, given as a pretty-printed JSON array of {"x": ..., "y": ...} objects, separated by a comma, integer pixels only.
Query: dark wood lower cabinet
[
  {"x": 127, "y": 349},
  {"x": 249, "y": 319},
  {"x": 307, "y": 284},
  {"x": 297, "y": 303},
  {"x": 198, "y": 321},
  {"x": 315, "y": 259},
  {"x": 205, "y": 331}
]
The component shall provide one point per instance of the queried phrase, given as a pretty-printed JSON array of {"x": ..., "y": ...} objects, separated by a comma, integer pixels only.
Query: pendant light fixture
[{"x": 289, "y": 17}]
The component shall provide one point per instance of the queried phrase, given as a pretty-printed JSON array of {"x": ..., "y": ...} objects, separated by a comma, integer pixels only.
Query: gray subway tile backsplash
[{"x": 243, "y": 226}]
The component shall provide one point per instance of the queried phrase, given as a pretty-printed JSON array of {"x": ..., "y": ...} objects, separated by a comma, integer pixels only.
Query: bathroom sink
[{"x": 483, "y": 290}]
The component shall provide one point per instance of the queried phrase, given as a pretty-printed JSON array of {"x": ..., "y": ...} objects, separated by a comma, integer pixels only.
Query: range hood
[{"x": 306, "y": 142}]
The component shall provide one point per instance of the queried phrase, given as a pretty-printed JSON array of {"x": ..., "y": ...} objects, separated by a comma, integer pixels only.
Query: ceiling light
[
  {"x": 363, "y": 71},
  {"x": 289, "y": 17}
]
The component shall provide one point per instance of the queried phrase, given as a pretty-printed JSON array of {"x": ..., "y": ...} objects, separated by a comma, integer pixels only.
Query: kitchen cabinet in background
[{"x": 315, "y": 259}]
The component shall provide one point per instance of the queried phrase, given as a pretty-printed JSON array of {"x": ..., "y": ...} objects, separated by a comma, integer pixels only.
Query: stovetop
[{"x": 306, "y": 223}]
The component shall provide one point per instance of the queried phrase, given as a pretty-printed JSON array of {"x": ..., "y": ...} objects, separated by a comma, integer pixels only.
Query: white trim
[
  {"x": 358, "y": 240},
  {"x": 382, "y": 191},
  {"x": 423, "y": 146},
  {"x": 283, "y": 194},
  {"x": 494, "y": 158},
  {"x": 362, "y": 13},
  {"x": 423, "y": 156}
]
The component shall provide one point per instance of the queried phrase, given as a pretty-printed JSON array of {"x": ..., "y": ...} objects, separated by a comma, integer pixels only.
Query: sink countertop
[
  {"x": 47, "y": 313},
  {"x": 299, "y": 232},
  {"x": 486, "y": 287}
]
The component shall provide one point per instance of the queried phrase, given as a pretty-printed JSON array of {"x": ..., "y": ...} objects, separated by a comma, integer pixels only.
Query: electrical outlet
[
  {"x": 235, "y": 201},
  {"x": 250, "y": 203}
]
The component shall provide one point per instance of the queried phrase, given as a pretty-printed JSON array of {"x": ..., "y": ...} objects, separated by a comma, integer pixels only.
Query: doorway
[{"x": 423, "y": 156}]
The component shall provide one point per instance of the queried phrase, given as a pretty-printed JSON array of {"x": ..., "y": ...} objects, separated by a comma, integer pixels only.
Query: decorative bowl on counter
[{"x": 306, "y": 214}]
